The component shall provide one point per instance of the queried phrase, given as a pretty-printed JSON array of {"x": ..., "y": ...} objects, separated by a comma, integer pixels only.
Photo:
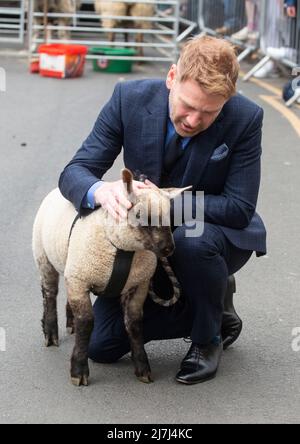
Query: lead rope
[
  {"x": 165, "y": 263},
  {"x": 175, "y": 284}
]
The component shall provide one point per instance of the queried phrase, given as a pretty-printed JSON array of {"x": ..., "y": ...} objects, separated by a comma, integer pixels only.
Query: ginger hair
[{"x": 212, "y": 63}]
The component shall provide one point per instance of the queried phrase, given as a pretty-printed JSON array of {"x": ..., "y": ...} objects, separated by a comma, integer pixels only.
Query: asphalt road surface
[{"x": 42, "y": 123}]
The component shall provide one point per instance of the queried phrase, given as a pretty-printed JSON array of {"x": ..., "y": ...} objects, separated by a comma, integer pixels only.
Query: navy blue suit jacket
[{"x": 224, "y": 160}]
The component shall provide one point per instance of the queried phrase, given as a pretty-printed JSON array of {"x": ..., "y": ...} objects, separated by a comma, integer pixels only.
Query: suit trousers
[{"x": 202, "y": 266}]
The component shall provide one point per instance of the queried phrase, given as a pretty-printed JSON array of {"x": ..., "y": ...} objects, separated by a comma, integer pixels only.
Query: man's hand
[
  {"x": 111, "y": 197},
  {"x": 292, "y": 11}
]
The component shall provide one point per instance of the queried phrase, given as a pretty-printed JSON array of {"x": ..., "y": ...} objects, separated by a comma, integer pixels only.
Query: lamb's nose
[{"x": 167, "y": 251}]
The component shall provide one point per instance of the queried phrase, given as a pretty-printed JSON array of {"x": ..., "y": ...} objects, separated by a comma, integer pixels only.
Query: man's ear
[
  {"x": 171, "y": 77},
  {"x": 172, "y": 193}
]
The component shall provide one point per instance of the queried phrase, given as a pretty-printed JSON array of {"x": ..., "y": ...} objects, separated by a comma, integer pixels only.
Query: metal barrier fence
[
  {"x": 12, "y": 20},
  {"x": 280, "y": 40},
  {"x": 252, "y": 25},
  {"x": 261, "y": 26},
  {"x": 235, "y": 20},
  {"x": 189, "y": 12},
  {"x": 154, "y": 29},
  {"x": 280, "y": 35}
]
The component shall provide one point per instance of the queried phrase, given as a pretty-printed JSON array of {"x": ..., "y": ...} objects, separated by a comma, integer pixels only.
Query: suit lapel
[
  {"x": 154, "y": 130},
  {"x": 202, "y": 148}
]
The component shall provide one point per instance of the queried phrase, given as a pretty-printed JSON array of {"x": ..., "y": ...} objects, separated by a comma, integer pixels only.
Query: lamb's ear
[
  {"x": 127, "y": 178},
  {"x": 171, "y": 193}
]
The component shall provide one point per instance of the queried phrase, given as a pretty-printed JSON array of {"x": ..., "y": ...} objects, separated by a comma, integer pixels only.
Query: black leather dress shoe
[
  {"x": 200, "y": 364},
  {"x": 232, "y": 325},
  {"x": 231, "y": 329}
]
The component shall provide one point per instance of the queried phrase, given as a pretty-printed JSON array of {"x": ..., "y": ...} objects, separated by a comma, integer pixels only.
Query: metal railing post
[
  {"x": 12, "y": 26},
  {"x": 176, "y": 31}
]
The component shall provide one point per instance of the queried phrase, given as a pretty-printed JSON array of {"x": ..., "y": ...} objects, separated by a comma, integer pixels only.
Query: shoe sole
[{"x": 196, "y": 382}]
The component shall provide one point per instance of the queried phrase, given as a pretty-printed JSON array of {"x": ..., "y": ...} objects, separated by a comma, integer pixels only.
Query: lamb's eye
[{"x": 138, "y": 215}]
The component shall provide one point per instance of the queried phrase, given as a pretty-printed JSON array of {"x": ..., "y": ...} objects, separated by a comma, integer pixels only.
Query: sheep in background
[
  {"x": 106, "y": 8},
  {"x": 55, "y": 6},
  {"x": 85, "y": 252}
]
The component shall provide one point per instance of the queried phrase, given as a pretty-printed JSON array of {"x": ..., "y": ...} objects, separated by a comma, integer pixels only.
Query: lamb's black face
[
  {"x": 157, "y": 239},
  {"x": 150, "y": 217}
]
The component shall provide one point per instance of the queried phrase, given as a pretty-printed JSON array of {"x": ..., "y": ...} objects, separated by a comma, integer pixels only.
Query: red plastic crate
[{"x": 62, "y": 61}]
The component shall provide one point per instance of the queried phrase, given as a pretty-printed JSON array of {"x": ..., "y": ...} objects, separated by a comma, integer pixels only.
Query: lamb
[
  {"x": 106, "y": 8},
  {"x": 86, "y": 258},
  {"x": 56, "y": 6}
]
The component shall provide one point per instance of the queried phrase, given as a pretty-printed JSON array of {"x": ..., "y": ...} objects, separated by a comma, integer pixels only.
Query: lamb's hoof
[
  {"x": 146, "y": 379},
  {"x": 79, "y": 372},
  {"x": 51, "y": 341},
  {"x": 80, "y": 380}
]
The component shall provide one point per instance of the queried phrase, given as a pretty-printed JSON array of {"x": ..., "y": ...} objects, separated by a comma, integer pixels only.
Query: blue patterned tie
[{"x": 174, "y": 151}]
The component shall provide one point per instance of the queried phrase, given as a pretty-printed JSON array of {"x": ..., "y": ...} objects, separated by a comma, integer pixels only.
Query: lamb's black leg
[
  {"x": 49, "y": 281},
  {"x": 80, "y": 303},
  {"x": 70, "y": 319},
  {"x": 79, "y": 362},
  {"x": 133, "y": 302}
]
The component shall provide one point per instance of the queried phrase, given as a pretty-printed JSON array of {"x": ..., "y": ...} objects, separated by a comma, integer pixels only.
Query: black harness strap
[
  {"x": 73, "y": 225},
  {"x": 121, "y": 269},
  {"x": 120, "y": 273}
]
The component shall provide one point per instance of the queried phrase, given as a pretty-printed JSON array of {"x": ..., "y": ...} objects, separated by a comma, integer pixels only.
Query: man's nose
[{"x": 194, "y": 120}]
